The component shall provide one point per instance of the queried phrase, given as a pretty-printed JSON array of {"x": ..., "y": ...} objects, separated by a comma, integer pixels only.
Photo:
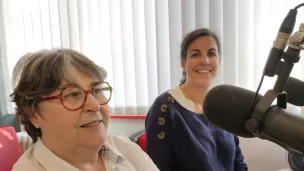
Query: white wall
[
  {"x": 263, "y": 155},
  {"x": 260, "y": 155},
  {"x": 125, "y": 127}
]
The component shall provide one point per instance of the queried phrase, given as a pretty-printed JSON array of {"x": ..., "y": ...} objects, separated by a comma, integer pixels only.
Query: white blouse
[{"x": 121, "y": 154}]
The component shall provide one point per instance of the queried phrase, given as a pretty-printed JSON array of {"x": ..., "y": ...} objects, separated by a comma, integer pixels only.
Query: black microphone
[
  {"x": 227, "y": 107},
  {"x": 280, "y": 42}
]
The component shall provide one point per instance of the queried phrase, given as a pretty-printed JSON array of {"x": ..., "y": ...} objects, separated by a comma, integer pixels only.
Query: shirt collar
[
  {"x": 52, "y": 162},
  {"x": 49, "y": 160},
  {"x": 179, "y": 96},
  {"x": 110, "y": 153}
]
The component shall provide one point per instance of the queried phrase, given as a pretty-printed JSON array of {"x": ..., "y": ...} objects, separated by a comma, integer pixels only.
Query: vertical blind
[{"x": 138, "y": 41}]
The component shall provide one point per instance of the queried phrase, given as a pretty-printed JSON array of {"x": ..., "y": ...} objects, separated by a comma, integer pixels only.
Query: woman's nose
[
  {"x": 91, "y": 104},
  {"x": 205, "y": 59}
]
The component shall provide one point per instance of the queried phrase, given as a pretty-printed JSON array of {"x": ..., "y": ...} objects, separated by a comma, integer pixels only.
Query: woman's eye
[
  {"x": 211, "y": 54},
  {"x": 75, "y": 94},
  {"x": 98, "y": 90},
  {"x": 195, "y": 55}
]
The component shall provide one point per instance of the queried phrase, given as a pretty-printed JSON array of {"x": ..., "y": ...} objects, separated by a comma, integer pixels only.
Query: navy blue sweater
[{"x": 181, "y": 140}]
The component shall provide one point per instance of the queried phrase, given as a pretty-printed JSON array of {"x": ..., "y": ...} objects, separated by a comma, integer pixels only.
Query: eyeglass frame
[{"x": 86, "y": 92}]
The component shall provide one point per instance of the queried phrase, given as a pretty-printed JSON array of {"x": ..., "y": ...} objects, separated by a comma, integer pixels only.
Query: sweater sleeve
[
  {"x": 159, "y": 135},
  {"x": 239, "y": 164}
]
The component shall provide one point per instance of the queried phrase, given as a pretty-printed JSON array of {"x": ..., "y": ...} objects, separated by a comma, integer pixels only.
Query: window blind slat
[
  {"x": 140, "y": 58},
  {"x": 162, "y": 43}
]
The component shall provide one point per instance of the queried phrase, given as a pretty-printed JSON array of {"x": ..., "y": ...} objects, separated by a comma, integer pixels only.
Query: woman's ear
[
  {"x": 183, "y": 64},
  {"x": 34, "y": 117},
  {"x": 219, "y": 58},
  {"x": 219, "y": 61}
]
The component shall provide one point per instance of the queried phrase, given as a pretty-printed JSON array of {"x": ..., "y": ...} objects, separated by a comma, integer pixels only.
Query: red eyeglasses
[{"x": 73, "y": 97}]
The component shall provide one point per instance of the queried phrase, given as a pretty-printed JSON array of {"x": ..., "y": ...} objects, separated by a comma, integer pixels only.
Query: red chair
[
  {"x": 10, "y": 150},
  {"x": 140, "y": 139}
]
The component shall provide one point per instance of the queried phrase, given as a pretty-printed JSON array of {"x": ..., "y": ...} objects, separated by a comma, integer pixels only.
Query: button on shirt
[{"x": 118, "y": 154}]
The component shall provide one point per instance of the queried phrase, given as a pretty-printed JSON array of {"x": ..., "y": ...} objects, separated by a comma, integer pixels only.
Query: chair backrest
[
  {"x": 10, "y": 150},
  {"x": 10, "y": 119},
  {"x": 139, "y": 138},
  {"x": 142, "y": 141}
]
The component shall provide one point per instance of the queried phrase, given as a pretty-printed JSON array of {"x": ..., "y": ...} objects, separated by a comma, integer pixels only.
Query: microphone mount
[
  {"x": 296, "y": 41},
  {"x": 290, "y": 57},
  {"x": 283, "y": 70},
  {"x": 279, "y": 63}
]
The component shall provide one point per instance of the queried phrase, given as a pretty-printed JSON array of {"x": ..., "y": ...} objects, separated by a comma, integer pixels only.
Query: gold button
[
  {"x": 161, "y": 121},
  {"x": 163, "y": 108},
  {"x": 170, "y": 99},
  {"x": 161, "y": 135}
]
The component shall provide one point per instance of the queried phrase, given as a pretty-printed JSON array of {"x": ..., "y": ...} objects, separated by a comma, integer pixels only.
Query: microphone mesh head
[{"x": 227, "y": 107}]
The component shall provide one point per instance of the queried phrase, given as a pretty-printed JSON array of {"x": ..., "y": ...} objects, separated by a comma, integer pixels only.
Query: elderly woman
[{"x": 62, "y": 99}]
